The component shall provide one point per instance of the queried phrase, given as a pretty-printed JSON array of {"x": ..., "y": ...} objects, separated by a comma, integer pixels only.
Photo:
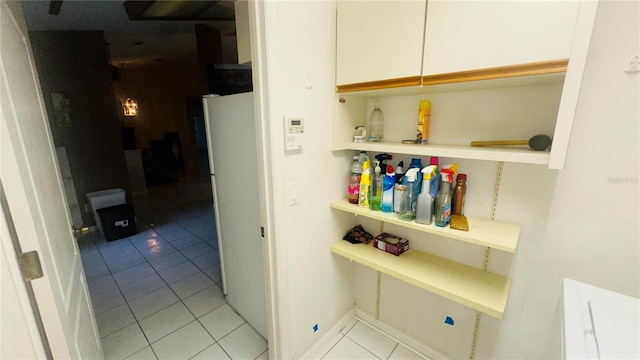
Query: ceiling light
[{"x": 130, "y": 107}]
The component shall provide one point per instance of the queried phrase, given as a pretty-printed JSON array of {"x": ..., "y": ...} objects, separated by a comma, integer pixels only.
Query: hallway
[{"x": 158, "y": 294}]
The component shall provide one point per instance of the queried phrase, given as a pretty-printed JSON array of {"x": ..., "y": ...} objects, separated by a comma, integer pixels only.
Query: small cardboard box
[{"x": 390, "y": 243}]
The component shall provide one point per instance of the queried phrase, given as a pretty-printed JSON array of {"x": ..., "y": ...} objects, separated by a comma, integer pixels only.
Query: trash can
[
  {"x": 117, "y": 221},
  {"x": 105, "y": 198}
]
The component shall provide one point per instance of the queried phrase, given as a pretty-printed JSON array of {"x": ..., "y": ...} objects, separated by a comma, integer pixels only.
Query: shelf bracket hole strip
[
  {"x": 487, "y": 253},
  {"x": 378, "y": 295}
]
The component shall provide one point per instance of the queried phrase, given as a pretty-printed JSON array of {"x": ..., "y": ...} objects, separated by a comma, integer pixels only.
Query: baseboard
[
  {"x": 326, "y": 342},
  {"x": 397, "y": 335}
]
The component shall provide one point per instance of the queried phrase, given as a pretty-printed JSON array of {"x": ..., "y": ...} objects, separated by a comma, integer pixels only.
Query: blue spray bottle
[{"x": 387, "y": 190}]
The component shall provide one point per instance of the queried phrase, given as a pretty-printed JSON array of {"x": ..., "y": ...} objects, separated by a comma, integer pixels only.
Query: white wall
[
  {"x": 591, "y": 231},
  {"x": 313, "y": 287},
  {"x": 580, "y": 223}
]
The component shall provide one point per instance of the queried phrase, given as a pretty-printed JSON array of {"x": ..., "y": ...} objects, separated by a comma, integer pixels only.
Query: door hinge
[
  {"x": 30, "y": 265},
  {"x": 262, "y": 231}
]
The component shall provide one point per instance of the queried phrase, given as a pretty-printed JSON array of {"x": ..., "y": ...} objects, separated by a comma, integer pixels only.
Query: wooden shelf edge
[
  {"x": 480, "y": 290},
  {"x": 522, "y": 156},
  {"x": 509, "y": 233}
]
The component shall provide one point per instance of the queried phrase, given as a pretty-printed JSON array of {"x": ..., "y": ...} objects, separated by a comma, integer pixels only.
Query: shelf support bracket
[
  {"x": 378, "y": 295},
  {"x": 487, "y": 253}
]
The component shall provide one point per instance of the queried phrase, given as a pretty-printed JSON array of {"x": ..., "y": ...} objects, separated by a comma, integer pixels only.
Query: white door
[
  {"x": 35, "y": 197},
  {"x": 19, "y": 334},
  {"x": 231, "y": 133}
]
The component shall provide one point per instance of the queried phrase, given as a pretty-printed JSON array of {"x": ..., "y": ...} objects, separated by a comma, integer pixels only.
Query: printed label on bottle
[
  {"x": 447, "y": 213},
  {"x": 354, "y": 193},
  {"x": 364, "y": 196}
]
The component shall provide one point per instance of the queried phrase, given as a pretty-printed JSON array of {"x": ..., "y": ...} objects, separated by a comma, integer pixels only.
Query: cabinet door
[
  {"x": 469, "y": 35},
  {"x": 379, "y": 40}
]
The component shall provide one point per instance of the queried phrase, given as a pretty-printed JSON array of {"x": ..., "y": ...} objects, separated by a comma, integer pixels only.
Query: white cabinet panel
[
  {"x": 379, "y": 40},
  {"x": 469, "y": 35}
]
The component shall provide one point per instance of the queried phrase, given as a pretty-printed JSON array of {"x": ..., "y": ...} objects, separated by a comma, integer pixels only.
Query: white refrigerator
[{"x": 233, "y": 159}]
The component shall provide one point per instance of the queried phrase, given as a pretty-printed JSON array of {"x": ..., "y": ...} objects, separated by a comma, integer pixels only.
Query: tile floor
[
  {"x": 358, "y": 340},
  {"x": 158, "y": 294}
]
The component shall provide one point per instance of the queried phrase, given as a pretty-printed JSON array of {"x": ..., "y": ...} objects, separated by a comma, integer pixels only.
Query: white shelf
[
  {"x": 515, "y": 155},
  {"x": 494, "y": 234},
  {"x": 480, "y": 290}
]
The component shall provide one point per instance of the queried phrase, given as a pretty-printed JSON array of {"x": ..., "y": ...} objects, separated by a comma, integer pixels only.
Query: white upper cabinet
[
  {"x": 379, "y": 40},
  {"x": 470, "y": 35}
]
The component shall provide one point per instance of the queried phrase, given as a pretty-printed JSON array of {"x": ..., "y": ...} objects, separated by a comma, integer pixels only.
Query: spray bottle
[
  {"x": 435, "y": 180},
  {"x": 408, "y": 202},
  {"x": 398, "y": 188},
  {"x": 415, "y": 163},
  {"x": 387, "y": 190},
  {"x": 454, "y": 167},
  {"x": 424, "y": 205},
  {"x": 382, "y": 158},
  {"x": 365, "y": 185},
  {"x": 443, "y": 201},
  {"x": 376, "y": 189}
]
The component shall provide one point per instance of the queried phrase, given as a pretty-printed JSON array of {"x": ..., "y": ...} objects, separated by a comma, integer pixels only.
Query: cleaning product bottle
[
  {"x": 363, "y": 156},
  {"x": 424, "y": 115},
  {"x": 424, "y": 204},
  {"x": 416, "y": 163},
  {"x": 457, "y": 201},
  {"x": 398, "y": 188},
  {"x": 354, "y": 180},
  {"x": 454, "y": 167},
  {"x": 382, "y": 158},
  {"x": 376, "y": 124},
  {"x": 375, "y": 201},
  {"x": 399, "y": 172},
  {"x": 387, "y": 190},
  {"x": 408, "y": 202},
  {"x": 365, "y": 184},
  {"x": 435, "y": 180},
  {"x": 443, "y": 200}
]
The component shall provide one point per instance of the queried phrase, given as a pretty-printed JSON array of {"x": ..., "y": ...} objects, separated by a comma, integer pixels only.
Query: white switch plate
[{"x": 292, "y": 193}]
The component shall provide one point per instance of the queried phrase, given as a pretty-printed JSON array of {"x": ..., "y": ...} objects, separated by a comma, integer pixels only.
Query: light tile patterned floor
[{"x": 158, "y": 295}]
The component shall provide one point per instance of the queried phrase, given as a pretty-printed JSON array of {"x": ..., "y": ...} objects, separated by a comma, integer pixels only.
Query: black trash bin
[{"x": 117, "y": 221}]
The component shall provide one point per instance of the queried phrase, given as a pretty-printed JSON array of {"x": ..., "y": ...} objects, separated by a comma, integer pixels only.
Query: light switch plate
[{"x": 292, "y": 193}]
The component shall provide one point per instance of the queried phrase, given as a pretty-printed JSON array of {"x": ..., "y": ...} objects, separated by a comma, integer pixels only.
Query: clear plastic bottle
[
  {"x": 354, "y": 181},
  {"x": 376, "y": 124},
  {"x": 443, "y": 200},
  {"x": 375, "y": 201},
  {"x": 408, "y": 203}
]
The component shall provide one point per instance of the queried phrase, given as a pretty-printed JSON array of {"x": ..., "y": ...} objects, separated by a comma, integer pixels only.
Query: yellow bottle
[
  {"x": 424, "y": 115},
  {"x": 365, "y": 185}
]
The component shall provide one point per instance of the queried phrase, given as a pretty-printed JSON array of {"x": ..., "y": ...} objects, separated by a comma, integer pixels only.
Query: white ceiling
[{"x": 167, "y": 40}]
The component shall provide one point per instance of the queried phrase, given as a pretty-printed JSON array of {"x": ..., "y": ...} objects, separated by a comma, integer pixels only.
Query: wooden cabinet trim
[
  {"x": 379, "y": 85},
  {"x": 501, "y": 72}
]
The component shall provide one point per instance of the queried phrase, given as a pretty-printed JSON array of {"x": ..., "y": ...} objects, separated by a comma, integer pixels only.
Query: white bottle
[{"x": 424, "y": 204}]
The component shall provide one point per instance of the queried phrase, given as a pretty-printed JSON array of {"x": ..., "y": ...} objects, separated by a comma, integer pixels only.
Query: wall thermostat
[{"x": 293, "y": 133}]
